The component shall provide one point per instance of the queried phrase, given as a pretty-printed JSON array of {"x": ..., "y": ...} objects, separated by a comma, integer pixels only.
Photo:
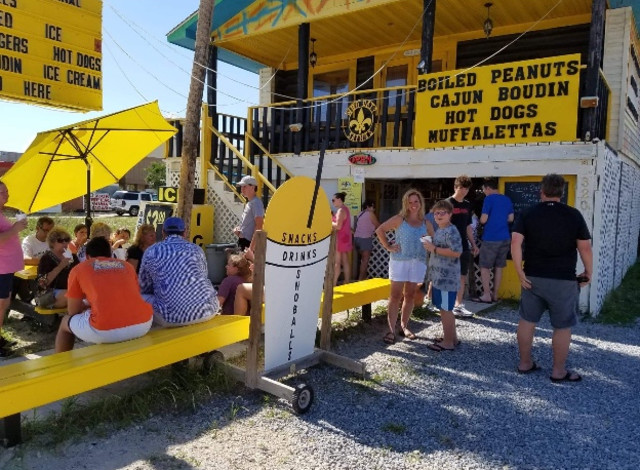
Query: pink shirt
[
  {"x": 364, "y": 225},
  {"x": 10, "y": 250}
]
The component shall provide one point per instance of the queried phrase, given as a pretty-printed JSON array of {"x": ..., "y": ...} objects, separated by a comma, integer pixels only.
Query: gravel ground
[{"x": 467, "y": 409}]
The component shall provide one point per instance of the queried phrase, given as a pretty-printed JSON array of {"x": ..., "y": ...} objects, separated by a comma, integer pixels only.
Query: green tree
[{"x": 156, "y": 174}]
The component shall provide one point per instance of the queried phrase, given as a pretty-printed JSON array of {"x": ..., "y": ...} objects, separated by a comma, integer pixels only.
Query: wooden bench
[{"x": 32, "y": 383}]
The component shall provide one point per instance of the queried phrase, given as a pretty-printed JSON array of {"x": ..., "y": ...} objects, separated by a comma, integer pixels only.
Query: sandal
[
  {"x": 437, "y": 348},
  {"x": 407, "y": 333},
  {"x": 568, "y": 377},
  {"x": 389, "y": 338},
  {"x": 441, "y": 339}
]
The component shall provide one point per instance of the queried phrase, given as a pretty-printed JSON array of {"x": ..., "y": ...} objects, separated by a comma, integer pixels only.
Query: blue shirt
[
  {"x": 497, "y": 207},
  {"x": 174, "y": 271}
]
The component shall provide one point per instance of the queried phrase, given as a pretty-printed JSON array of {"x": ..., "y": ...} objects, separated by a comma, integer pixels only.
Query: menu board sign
[{"x": 51, "y": 52}]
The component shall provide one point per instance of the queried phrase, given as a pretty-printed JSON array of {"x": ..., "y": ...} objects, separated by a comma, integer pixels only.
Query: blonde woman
[
  {"x": 145, "y": 237},
  {"x": 408, "y": 260},
  {"x": 55, "y": 265}
]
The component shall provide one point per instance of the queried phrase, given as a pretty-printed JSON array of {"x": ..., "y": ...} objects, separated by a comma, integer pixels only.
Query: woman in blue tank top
[{"x": 408, "y": 263}]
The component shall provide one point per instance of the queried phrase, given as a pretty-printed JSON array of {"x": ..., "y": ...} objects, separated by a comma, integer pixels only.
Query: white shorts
[
  {"x": 407, "y": 271},
  {"x": 81, "y": 328}
]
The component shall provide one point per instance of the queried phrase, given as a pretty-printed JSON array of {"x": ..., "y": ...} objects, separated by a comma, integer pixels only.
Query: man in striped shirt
[{"x": 173, "y": 279}]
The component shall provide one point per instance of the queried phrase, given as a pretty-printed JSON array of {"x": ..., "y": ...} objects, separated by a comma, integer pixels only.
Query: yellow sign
[
  {"x": 200, "y": 229},
  {"x": 529, "y": 101},
  {"x": 361, "y": 116},
  {"x": 51, "y": 52},
  {"x": 296, "y": 259},
  {"x": 354, "y": 193},
  {"x": 167, "y": 194}
]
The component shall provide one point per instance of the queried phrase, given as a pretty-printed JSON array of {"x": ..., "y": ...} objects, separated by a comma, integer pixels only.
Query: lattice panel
[
  {"x": 173, "y": 172},
  {"x": 624, "y": 224},
  {"x": 379, "y": 259},
  {"x": 224, "y": 220},
  {"x": 609, "y": 190}
]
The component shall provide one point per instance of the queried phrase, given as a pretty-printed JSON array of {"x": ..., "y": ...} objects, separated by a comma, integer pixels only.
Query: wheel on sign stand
[{"x": 302, "y": 398}]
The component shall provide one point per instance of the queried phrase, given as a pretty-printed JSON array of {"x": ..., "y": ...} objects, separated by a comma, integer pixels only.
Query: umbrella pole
[{"x": 88, "y": 220}]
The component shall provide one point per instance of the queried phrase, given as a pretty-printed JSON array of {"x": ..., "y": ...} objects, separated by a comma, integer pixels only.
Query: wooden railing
[
  {"x": 602, "y": 113},
  {"x": 301, "y": 126},
  {"x": 230, "y": 165}
]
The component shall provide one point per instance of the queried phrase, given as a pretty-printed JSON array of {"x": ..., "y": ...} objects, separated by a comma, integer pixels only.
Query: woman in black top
[{"x": 55, "y": 265}]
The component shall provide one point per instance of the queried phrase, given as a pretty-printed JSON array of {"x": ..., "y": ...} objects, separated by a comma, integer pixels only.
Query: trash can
[{"x": 216, "y": 261}]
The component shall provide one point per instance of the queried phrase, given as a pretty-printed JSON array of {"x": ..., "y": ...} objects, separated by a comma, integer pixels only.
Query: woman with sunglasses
[
  {"x": 407, "y": 263},
  {"x": 54, "y": 267}
]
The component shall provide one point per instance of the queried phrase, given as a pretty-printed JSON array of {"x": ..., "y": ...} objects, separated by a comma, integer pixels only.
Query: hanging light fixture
[
  {"x": 313, "y": 57},
  {"x": 488, "y": 23}
]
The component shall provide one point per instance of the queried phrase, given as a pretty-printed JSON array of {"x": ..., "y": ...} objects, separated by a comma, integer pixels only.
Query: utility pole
[{"x": 194, "y": 109}]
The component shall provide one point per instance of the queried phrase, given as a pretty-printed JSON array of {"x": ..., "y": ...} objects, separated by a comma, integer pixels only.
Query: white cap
[{"x": 247, "y": 181}]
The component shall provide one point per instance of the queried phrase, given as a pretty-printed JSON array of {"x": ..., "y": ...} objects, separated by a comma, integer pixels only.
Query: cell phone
[{"x": 582, "y": 279}]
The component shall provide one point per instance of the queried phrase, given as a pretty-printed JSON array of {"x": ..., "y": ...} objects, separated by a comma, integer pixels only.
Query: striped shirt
[{"x": 174, "y": 271}]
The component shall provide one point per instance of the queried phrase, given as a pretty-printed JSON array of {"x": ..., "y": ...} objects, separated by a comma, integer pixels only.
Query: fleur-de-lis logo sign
[{"x": 361, "y": 115}]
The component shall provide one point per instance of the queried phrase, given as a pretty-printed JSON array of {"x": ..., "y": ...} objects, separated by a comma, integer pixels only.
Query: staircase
[{"x": 227, "y": 164}]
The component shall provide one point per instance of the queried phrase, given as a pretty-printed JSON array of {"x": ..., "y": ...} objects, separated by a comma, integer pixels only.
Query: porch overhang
[{"x": 251, "y": 34}]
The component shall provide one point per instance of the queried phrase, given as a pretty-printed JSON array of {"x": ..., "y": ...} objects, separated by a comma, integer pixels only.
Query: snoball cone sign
[{"x": 296, "y": 259}]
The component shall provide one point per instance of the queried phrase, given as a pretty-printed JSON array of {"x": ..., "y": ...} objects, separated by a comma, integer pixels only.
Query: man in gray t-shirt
[{"x": 253, "y": 214}]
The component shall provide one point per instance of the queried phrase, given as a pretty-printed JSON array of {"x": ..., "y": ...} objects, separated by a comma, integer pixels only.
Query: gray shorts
[
  {"x": 363, "y": 244},
  {"x": 558, "y": 296},
  {"x": 494, "y": 254}
]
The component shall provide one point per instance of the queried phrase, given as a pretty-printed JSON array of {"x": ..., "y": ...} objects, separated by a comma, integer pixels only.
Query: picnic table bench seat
[{"x": 32, "y": 383}]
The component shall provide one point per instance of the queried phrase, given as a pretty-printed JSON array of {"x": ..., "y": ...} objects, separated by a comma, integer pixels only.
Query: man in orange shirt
[{"x": 104, "y": 301}]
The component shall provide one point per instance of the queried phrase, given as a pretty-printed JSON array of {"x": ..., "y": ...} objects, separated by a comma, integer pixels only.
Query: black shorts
[
  {"x": 243, "y": 243},
  {"x": 465, "y": 260},
  {"x": 6, "y": 285}
]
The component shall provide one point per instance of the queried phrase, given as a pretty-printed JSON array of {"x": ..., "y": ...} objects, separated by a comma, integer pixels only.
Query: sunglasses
[
  {"x": 63, "y": 240},
  {"x": 440, "y": 213}
]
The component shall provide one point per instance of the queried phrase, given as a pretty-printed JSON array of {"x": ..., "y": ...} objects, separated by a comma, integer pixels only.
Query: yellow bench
[
  {"x": 360, "y": 294},
  {"x": 32, "y": 383}
]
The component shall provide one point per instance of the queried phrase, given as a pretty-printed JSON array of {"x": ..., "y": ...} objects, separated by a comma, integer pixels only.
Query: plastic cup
[
  {"x": 21, "y": 216},
  {"x": 426, "y": 238}
]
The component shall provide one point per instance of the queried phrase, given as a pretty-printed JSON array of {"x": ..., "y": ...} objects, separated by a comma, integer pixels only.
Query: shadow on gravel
[{"x": 473, "y": 402}]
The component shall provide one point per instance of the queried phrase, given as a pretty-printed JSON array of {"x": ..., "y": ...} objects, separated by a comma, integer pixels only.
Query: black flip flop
[
  {"x": 441, "y": 339},
  {"x": 533, "y": 368},
  {"x": 567, "y": 378},
  {"x": 437, "y": 348},
  {"x": 389, "y": 338}
]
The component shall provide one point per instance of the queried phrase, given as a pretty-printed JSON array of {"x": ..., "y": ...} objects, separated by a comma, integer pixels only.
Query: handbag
[{"x": 45, "y": 297}]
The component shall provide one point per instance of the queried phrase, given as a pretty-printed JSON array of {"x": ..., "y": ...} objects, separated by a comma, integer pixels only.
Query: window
[
  {"x": 397, "y": 76},
  {"x": 131, "y": 196},
  {"x": 331, "y": 83},
  {"x": 146, "y": 196}
]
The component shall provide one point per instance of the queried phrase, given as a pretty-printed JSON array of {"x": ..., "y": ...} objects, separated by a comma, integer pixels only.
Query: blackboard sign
[
  {"x": 526, "y": 194},
  {"x": 156, "y": 214}
]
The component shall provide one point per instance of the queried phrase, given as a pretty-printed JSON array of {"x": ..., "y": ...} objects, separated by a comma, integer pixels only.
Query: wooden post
[
  {"x": 592, "y": 75},
  {"x": 327, "y": 303},
  {"x": 303, "y": 82},
  {"x": 428, "y": 27},
  {"x": 255, "y": 325}
]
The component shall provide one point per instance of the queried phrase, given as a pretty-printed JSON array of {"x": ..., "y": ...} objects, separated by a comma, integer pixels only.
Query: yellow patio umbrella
[{"x": 62, "y": 164}]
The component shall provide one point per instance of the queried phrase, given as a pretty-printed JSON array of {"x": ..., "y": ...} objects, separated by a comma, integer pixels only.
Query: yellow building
[{"x": 425, "y": 90}]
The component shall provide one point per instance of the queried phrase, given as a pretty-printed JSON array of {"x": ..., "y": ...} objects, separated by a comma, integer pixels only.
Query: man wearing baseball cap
[
  {"x": 253, "y": 214},
  {"x": 173, "y": 279}
]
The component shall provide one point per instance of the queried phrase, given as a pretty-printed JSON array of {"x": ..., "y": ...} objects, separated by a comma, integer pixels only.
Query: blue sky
[{"x": 134, "y": 38}]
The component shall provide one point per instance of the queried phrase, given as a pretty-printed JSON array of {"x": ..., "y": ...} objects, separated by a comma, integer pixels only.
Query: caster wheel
[{"x": 302, "y": 399}]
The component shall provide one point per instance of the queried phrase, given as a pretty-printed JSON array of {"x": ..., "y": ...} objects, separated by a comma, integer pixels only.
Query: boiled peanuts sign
[{"x": 528, "y": 101}]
